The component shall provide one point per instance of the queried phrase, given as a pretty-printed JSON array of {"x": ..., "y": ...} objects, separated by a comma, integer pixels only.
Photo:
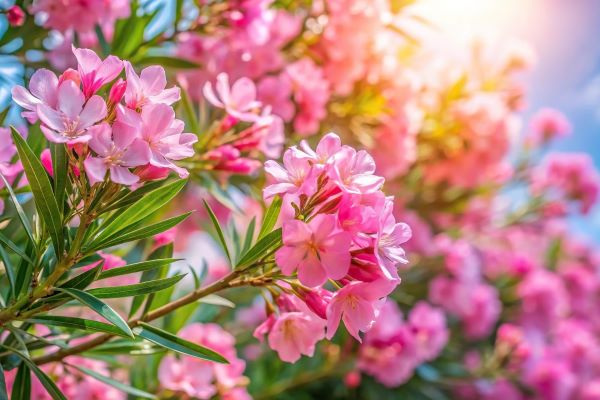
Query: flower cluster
[
  {"x": 188, "y": 376},
  {"x": 338, "y": 226},
  {"x": 247, "y": 129},
  {"x": 111, "y": 138},
  {"x": 393, "y": 348}
]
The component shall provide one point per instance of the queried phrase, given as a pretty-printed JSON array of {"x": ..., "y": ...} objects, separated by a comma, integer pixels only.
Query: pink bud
[
  {"x": 151, "y": 173},
  {"x": 46, "y": 159},
  {"x": 352, "y": 379},
  {"x": 117, "y": 91},
  {"x": 15, "y": 16},
  {"x": 71, "y": 75},
  {"x": 317, "y": 301}
]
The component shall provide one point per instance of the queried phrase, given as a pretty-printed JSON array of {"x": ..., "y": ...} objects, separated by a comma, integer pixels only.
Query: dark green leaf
[
  {"x": 249, "y": 236},
  {"x": 270, "y": 218},
  {"x": 218, "y": 229},
  {"x": 11, "y": 245},
  {"x": 116, "y": 384},
  {"x": 76, "y": 323},
  {"x": 177, "y": 344},
  {"x": 60, "y": 168},
  {"x": 131, "y": 197},
  {"x": 265, "y": 244},
  {"x": 19, "y": 208},
  {"x": 170, "y": 62},
  {"x": 137, "y": 267},
  {"x": 99, "y": 307},
  {"x": 84, "y": 279},
  {"x": 10, "y": 271},
  {"x": 22, "y": 386},
  {"x": 136, "y": 289},
  {"x": 45, "y": 202}
]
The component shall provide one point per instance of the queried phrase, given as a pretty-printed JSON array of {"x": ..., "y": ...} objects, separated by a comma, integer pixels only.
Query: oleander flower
[
  {"x": 94, "y": 72},
  {"x": 148, "y": 87},
  {"x": 238, "y": 100}
]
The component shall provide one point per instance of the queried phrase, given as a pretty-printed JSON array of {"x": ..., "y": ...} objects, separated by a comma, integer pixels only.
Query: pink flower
[
  {"x": 118, "y": 148},
  {"x": 389, "y": 238},
  {"x": 288, "y": 178},
  {"x": 544, "y": 299},
  {"x": 276, "y": 91},
  {"x": 428, "y": 325},
  {"x": 294, "y": 334},
  {"x": 46, "y": 159},
  {"x": 186, "y": 376},
  {"x": 69, "y": 122},
  {"x": 43, "y": 89},
  {"x": 239, "y": 100},
  {"x": 148, "y": 88},
  {"x": 317, "y": 249},
  {"x": 354, "y": 171},
  {"x": 548, "y": 124},
  {"x": 358, "y": 305},
  {"x": 163, "y": 134},
  {"x": 95, "y": 72}
]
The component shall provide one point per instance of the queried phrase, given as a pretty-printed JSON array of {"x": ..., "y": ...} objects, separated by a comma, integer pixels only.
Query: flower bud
[
  {"x": 70, "y": 75},
  {"x": 15, "y": 16},
  {"x": 116, "y": 92},
  {"x": 317, "y": 301},
  {"x": 151, "y": 173}
]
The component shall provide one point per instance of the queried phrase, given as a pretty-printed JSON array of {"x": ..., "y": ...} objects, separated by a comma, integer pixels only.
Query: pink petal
[
  {"x": 156, "y": 119},
  {"x": 134, "y": 91},
  {"x": 70, "y": 99},
  {"x": 167, "y": 96},
  {"x": 101, "y": 141},
  {"x": 23, "y": 98},
  {"x": 123, "y": 176},
  {"x": 210, "y": 95},
  {"x": 43, "y": 85},
  {"x": 311, "y": 272},
  {"x": 87, "y": 60},
  {"x": 95, "y": 168},
  {"x": 123, "y": 134},
  {"x": 50, "y": 117},
  {"x": 153, "y": 80},
  {"x": 243, "y": 94},
  {"x": 110, "y": 68},
  {"x": 137, "y": 154},
  {"x": 53, "y": 136},
  {"x": 222, "y": 86},
  {"x": 94, "y": 111}
]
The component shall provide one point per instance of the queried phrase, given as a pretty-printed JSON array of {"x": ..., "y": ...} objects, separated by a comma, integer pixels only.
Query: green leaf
[
  {"x": 99, "y": 307},
  {"x": 141, "y": 233},
  {"x": 220, "y": 234},
  {"x": 190, "y": 113},
  {"x": 177, "y": 344},
  {"x": 129, "y": 347},
  {"x": 137, "y": 267},
  {"x": 22, "y": 386},
  {"x": 102, "y": 40},
  {"x": 45, "y": 202},
  {"x": 11, "y": 245},
  {"x": 170, "y": 62},
  {"x": 260, "y": 248},
  {"x": 84, "y": 279},
  {"x": 116, "y": 384},
  {"x": 24, "y": 271},
  {"x": 142, "y": 208},
  {"x": 60, "y": 168},
  {"x": 3, "y": 390},
  {"x": 249, "y": 236},
  {"x": 216, "y": 300},
  {"x": 19, "y": 208},
  {"x": 48, "y": 384},
  {"x": 76, "y": 323},
  {"x": 136, "y": 289},
  {"x": 270, "y": 218},
  {"x": 129, "y": 198}
]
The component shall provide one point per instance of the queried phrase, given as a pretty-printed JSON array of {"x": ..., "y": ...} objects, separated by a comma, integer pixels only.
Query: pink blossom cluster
[
  {"x": 189, "y": 376},
  {"x": 134, "y": 128},
  {"x": 547, "y": 124},
  {"x": 565, "y": 178},
  {"x": 337, "y": 226},
  {"x": 72, "y": 383},
  {"x": 10, "y": 168},
  {"x": 79, "y": 16},
  {"x": 247, "y": 130},
  {"x": 393, "y": 348}
]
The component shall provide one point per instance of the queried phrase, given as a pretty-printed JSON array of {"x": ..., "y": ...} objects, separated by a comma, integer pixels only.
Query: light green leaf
[
  {"x": 76, "y": 323},
  {"x": 19, "y": 208},
  {"x": 116, "y": 384},
  {"x": 170, "y": 62},
  {"x": 249, "y": 238},
  {"x": 60, "y": 167},
  {"x": 137, "y": 267},
  {"x": 270, "y": 218},
  {"x": 264, "y": 245},
  {"x": 216, "y": 300},
  {"x": 99, "y": 307},
  {"x": 45, "y": 201},
  {"x": 218, "y": 229},
  {"x": 136, "y": 289},
  {"x": 177, "y": 344}
]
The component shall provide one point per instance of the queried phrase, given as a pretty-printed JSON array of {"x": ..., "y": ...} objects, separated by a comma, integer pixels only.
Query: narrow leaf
[
  {"x": 60, "y": 168},
  {"x": 10, "y": 270},
  {"x": 76, "y": 323},
  {"x": 11, "y": 245},
  {"x": 19, "y": 208},
  {"x": 116, "y": 384},
  {"x": 167, "y": 61},
  {"x": 220, "y": 234},
  {"x": 260, "y": 248},
  {"x": 249, "y": 236},
  {"x": 22, "y": 386},
  {"x": 177, "y": 344},
  {"x": 270, "y": 218},
  {"x": 99, "y": 307},
  {"x": 137, "y": 267},
  {"x": 216, "y": 300},
  {"x": 136, "y": 289},
  {"x": 45, "y": 202}
]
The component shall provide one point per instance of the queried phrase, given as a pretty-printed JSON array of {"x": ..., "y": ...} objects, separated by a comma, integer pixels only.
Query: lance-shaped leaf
[
  {"x": 60, "y": 169},
  {"x": 11, "y": 245},
  {"x": 116, "y": 384},
  {"x": 22, "y": 386},
  {"x": 144, "y": 207},
  {"x": 218, "y": 229},
  {"x": 129, "y": 198},
  {"x": 129, "y": 347},
  {"x": 44, "y": 379},
  {"x": 177, "y": 344},
  {"x": 270, "y": 218},
  {"x": 137, "y": 267},
  {"x": 262, "y": 247},
  {"x": 19, "y": 208},
  {"x": 140, "y": 233},
  {"x": 137, "y": 289},
  {"x": 99, "y": 307},
  {"x": 76, "y": 323},
  {"x": 43, "y": 196},
  {"x": 249, "y": 235}
]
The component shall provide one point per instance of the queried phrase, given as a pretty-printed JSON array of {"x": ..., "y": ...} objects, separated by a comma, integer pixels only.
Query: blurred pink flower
[{"x": 239, "y": 100}]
